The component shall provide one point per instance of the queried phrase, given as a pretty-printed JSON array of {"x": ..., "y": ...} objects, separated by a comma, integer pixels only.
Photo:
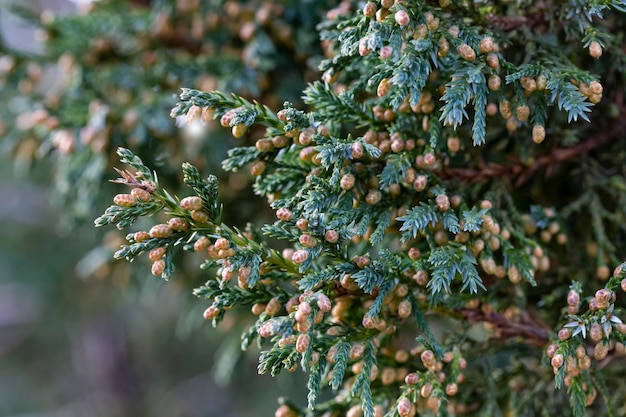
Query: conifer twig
[{"x": 522, "y": 172}]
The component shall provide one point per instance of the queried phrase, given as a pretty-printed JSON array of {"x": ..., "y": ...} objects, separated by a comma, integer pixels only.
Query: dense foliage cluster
[
  {"x": 108, "y": 76},
  {"x": 450, "y": 211}
]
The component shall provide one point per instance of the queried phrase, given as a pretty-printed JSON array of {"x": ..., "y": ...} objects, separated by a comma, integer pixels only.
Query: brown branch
[
  {"x": 523, "y": 172},
  {"x": 525, "y": 327},
  {"x": 535, "y": 19}
]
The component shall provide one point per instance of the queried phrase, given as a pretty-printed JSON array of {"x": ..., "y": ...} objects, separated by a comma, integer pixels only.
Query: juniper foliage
[{"x": 450, "y": 203}]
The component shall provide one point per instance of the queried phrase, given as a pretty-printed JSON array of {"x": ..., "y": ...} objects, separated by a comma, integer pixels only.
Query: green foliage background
[{"x": 78, "y": 334}]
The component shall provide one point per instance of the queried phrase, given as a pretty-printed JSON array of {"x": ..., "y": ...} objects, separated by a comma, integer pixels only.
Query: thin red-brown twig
[
  {"x": 522, "y": 172},
  {"x": 525, "y": 327}
]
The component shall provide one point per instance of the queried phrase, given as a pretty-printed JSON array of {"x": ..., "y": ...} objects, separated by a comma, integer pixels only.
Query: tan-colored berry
[
  {"x": 257, "y": 168},
  {"x": 542, "y": 82},
  {"x": 373, "y": 197},
  {"x": 193, "y": 114},
  {"x": 584, "y": 363},
  {"x": 141, "y": 194},
  {"x": 514, "y": 275},
  {"x": 364, "y": 49},
  {"x": 523, "y": 112},
  {"x": 420, "y": 183},
  {"x": 299, "y": 256},
  {"x": 452, "y": 389},
  {"x": 357, "y": 150},
  {"x": 141, "y": 236},
  {"x": 411, "y": 378},
  {"x": 493, "y": 61},
  {"x": 623, "y": 285},
  {"x": 226, "y": 118},
  {"x": 454, "y": 144},
  {"x": 600, "y": 351},
  {"x": 401, "y": 356},
  {"x": 361, "y": 261},
  {"x": 603, "y": 272},
  {"x": 201, "y": 244},
  {"x": 211, "y": 313},
  {"x": 539, "y": 133},
  {"x": 222, "y": 243},
  {"x": 191, "y": 203},
  {"x": 124, "y": 200},
  {"x": 443, "y": 202},
  {"x": 323, "y": 303},
  {"x": 302, "y": 344},
  {"x": 603, "y": 295},
  {"x": 397, "y": 146},
  {"x": 402, "y": 18},
  {"x": 444, "y": 47},
  {"x": 284, "y": 214},
  {"x": 595, "y": 98},
  {"x": 381, "y": 14},
  {"x": 306, "y": 136},
  {"x": 273, "y": 307},
  {"x": 285, "y": 411},
  {"x": 157, "y": 253},
  {"x": 355, "y": 410},
  {"x": 404, "y": 407},
  {"x": 426, "y": 390},
  {"x": 280, "y": 141},
  {"x": 207, "y": 114},
  {"x": 200, "y": 216},
  {"x": 302, "y": 224},
  {"x": 388, "y": 376},
  {"x": 573, "y": 298},
  {"x": 580, "y": 351},
  {"x": 421, "y": 277},
  {"x": 307, "y": 240},
  {"x": 528, "y": 84},
  {"x": 383, "y": 87},
  {"x": 369, "y": 10},
  {"x": 564, "y": 334},
  {"x": 596, "y": 88},
  {"x": 178, "y": 224},
  {"x": 486, "y": 45},
  {"x": 331, "y": 236},
  {"x": 264, "y": 145},
  {"x": 414, "y": 254},
  {"x": 505, "y": 109},
  {"x": 430, "y": 159},
  {"x": 386, "y": 52},
  {"x": 160, "y": 231},
  {"x": 551, "y": 350},
  {"x": 511, "y": 124},
  {"x": 158, "y": 267},
  {"x": 466, "y": 52},
  {"x": 404, "y": 309},
  {"x": 595, "y": 49},
  {"x": 595, "y": 332},
  {"x": 347, "y": 182},
  {"x": 433, "y": 24},
  {"x": 428, "y": 358},
  {"x": 557, "y": 360}
]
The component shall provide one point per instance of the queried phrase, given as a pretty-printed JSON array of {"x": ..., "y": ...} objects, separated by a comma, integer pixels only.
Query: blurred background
[{"x": 80, "y": 334}]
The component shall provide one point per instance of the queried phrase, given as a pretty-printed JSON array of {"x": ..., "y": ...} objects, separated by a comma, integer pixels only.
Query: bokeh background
[{"x": 81, "y": 336}]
